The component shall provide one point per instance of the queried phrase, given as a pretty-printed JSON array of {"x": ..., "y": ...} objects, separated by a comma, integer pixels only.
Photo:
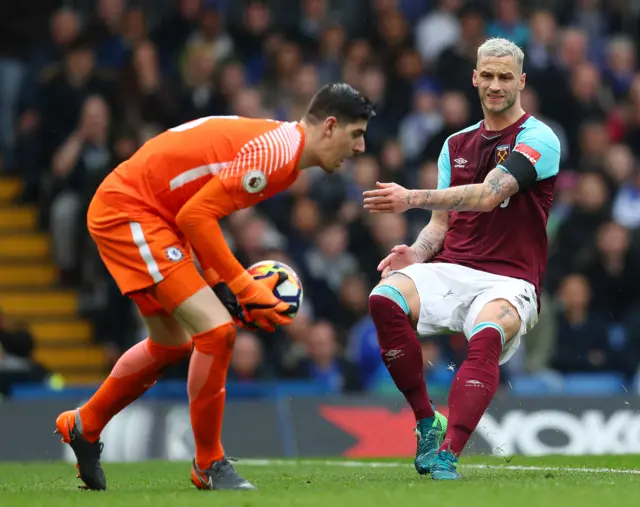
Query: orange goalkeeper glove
[
  {"x": 260, "y": 305},
  {"x": 230, "y": 302}
]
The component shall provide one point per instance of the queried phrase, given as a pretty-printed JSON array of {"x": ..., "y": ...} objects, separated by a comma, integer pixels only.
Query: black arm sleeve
[{"x": 521, "y": 168}]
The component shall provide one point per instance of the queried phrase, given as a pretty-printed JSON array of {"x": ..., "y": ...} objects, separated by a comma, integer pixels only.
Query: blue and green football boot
[
  {"x": 443, "y": 466},
  {"x": 429, "y": 434}
]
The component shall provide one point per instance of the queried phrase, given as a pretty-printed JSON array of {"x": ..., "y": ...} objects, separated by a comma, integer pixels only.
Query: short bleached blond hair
[{"x": 498, "y": 47}]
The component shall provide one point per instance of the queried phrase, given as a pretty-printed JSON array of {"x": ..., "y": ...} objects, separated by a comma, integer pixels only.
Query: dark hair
[{"x": 342, "y": 101}]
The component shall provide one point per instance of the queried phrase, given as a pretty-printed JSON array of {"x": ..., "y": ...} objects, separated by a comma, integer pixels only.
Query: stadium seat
[
  {"x": 593, "y": 384},
  {"x": 536, "y": 385}
]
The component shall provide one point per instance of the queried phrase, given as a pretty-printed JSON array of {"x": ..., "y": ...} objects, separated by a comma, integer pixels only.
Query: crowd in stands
[{"x": 84, "y": 83}]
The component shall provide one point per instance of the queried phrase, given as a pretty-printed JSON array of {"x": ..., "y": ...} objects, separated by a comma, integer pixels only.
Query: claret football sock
[
  {"x": 401, "y": 353},
  {"x": 207, "y": 393},
  {"x": 473, "y": 388},
  {"x": 134, "y": 373}
]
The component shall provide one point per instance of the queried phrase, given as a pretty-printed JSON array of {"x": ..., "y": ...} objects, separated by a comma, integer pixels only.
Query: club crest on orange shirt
[
  {"x": 174, "y": 254},
  {"x": 254, "y": 182},
  {"x": 502, "y": 152}
]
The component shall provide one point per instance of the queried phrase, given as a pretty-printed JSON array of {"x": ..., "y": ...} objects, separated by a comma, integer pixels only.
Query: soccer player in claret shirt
[
  {"x": 477, "y": 266},
  {"x": 148, "y": 215}
]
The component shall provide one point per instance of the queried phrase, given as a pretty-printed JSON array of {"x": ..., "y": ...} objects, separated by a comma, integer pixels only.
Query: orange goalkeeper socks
[
  {"x": 206, "y": 388},
  {"x": 135, "y": 372}
]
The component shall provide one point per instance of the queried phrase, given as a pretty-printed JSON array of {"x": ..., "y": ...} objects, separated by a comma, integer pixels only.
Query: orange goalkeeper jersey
[
  {"x": 178, "y": 185},
  {"x": 253, "y": 159}
]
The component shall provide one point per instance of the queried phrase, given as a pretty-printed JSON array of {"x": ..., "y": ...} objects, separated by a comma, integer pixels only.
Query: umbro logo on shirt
[{"x": 461, "y": 162}]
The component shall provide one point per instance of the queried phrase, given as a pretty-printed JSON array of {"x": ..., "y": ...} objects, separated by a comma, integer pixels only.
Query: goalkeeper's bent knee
[{"x": 212, "y": 341}]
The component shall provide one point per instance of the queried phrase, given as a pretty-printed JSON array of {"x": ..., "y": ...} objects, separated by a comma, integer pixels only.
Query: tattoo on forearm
[
  {"x": 501, "y": 183},
  {"x": 495, "y": 185},
  {"x": 458, "y": 199},
  {"x": 454, "y": 198},
  {"x": 429, "y": 243},
  {"x": 498, "y": 185},
  {"x": 426, "y": 197},
  {"x": 505, "y": 311}
]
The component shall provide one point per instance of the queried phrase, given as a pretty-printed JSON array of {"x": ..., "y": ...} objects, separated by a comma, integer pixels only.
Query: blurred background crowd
[{"x": 83, "y": 83}]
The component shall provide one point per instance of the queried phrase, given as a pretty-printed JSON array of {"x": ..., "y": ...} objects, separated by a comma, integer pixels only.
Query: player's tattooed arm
[
  {"x": 431, "y": 239},
  {"x": 497, "y": 186},
  {"x": 393, "y": 198}
]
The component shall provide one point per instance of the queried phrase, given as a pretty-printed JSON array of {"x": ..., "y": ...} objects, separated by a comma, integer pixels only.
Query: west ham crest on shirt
[{"x": 502, "y": 152}]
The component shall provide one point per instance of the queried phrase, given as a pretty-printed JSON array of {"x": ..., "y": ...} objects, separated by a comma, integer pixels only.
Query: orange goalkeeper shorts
[{"x": 150, "y": 260}]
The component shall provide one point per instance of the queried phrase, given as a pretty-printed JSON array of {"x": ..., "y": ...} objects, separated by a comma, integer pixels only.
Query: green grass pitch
[{"x": 557, "y": 481}]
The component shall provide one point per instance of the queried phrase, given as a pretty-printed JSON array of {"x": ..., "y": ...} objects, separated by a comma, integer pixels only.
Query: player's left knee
[{"x": 504, "y": 315}]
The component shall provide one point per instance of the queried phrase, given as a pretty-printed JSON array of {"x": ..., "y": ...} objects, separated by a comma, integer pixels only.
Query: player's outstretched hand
[
  {"x": 261, "y": 307},
  {"x": 400, "y": 257},
  {"x": 387, "y": 198}
]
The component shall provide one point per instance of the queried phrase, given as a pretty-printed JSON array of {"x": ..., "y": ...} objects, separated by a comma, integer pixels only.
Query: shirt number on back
[{"x": 505, "y": 203}]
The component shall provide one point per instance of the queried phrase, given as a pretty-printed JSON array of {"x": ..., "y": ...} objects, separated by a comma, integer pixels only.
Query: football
[{"x": 290, "y": 291}]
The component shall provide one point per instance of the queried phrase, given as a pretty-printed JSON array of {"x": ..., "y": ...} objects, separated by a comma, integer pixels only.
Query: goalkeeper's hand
[
  {"x": 230, "y": 302},
  {"x": 261, "y": 307}
]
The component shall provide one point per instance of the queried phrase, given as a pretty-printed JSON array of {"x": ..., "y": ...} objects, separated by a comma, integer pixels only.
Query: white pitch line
[{"x": 392, "y": 464}]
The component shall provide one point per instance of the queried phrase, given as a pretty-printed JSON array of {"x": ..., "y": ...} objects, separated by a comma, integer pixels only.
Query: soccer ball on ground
[{"x": 289, "y": 291}]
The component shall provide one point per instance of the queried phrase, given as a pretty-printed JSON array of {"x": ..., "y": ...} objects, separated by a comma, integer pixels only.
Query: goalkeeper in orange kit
[{"x": 146, "y": 218}]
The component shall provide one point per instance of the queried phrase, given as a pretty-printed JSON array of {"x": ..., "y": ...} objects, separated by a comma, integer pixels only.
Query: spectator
[
  {"x": 107, "y": 34},
  {"x": 508, "y": 23},
  {"x": 584, "y": 103},
  {"x": 62, "y": 94},
  {"x": 330, "y": 53},
  {"x": 78, "y": 166},
  {"x": 540, "y": 46},
  {"x": 581, "y": 344},
  {"x": 148, "y": 99},
  {"x": 626, "y": 205},
  {"x": 313, "y": 19},
  {"x": 593, "y": 143},
  {"x": 363, "y": 351},
  {"x": 250, "y": 37},
  {"x": 323, "y": 364},
  {"x": 576, "y": 235},
  {"x": 16, "y": 363},
  {"x": 210, "y": 36},
  {"x": 327, "y": 264},
  {"x": 620, "y": 66},
  {"x": 619, "y": 167},
  {"x": 247, "y": 362},
  {"x": 15, "y": 338},
  {"x": 613, "y": 273},
  {"x": 438, "y": 30},
  {"x": 588, "y": 16},
  {"x": 354, "y": 303},
  {"x": 391, "y": 38},
  {"x": 20, "y": 28},
  {"x": 422, "y": 123},
  {"x": 456, "y": 63},
  {"x": 199, "y": 95},
  {"x": 171, "y": 35},
  {"x": 455, "y": 117},
  {"x": 572, "y": 50}
]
